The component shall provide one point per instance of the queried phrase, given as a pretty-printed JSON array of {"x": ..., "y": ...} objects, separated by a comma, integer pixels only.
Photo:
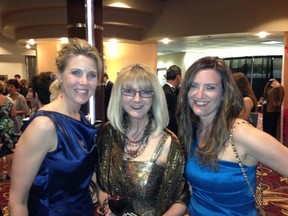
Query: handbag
[{"x": 258, "y": 203}]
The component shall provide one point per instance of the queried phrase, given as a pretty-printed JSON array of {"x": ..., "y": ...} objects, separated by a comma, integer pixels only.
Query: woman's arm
[
  {"x": 13, "y": 111},
  {"x": 261, "y": 146},
  {"x": 38, "y": 139},
  {"x": 177, "y": 209}
]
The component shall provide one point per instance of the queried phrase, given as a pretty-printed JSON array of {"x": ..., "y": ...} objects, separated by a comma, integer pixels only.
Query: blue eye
[
  {"x": 193, "y": 85},
  {"x": 210, "y": 87},
  {"x": 92, "y": 75},
  {"x": 76, "y": 72}
]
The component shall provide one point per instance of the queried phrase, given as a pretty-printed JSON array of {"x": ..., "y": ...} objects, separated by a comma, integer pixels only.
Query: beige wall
[
  {"x": 12, "y": 60},
  {"x": 46, "y": 55},
  {"x": 118, "y": 55}
]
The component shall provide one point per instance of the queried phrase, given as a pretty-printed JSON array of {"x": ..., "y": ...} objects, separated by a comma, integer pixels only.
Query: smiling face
[
  {"x": 137, "y": 107},
  {"x": 79, "y": 79},
  {"x": 205, "y": 94}
]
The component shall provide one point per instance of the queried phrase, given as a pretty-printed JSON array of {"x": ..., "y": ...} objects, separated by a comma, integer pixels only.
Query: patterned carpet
[{"x": 275, "y": 191}]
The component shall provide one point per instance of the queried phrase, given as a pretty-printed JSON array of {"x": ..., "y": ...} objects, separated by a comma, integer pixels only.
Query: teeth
[
  {"x": 201, "y": 103},
  {"x": 136, "y": 107},
  {"x": 82, "y": 91}
]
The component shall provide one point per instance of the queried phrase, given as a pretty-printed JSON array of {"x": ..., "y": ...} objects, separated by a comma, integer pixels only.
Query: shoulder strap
[
  {"x": 259, "y": 203},
  {"x": 159, "y": 147}
]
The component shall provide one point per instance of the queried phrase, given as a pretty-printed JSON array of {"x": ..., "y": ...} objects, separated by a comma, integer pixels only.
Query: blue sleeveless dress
[
  {"x": 224, "y": 192},
  {"x": 61, "y": 186}
]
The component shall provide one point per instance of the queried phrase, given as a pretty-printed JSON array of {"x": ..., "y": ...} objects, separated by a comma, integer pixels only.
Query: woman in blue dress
[
  {"x": 208, "y": 109},
  {"x": 55, "y": 156}
]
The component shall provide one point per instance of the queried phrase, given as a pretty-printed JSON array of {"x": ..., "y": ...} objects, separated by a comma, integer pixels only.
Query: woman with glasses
[{"x": 138, "y": 158}]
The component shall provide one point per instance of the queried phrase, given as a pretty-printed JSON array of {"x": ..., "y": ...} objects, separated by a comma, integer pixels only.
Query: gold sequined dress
[{"x": 150, "y": 189}]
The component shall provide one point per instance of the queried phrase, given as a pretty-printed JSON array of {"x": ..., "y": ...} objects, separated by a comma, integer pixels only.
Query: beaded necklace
[{"x": 133, "y": 148}]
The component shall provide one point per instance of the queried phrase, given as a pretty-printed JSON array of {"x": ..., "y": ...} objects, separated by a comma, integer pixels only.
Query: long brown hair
[
  {"x": 229, "y": 109},
  {"x": 244, "y": 86}
]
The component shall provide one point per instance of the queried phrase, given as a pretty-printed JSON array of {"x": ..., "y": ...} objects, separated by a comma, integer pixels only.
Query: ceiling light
[
  {"x": 119, "y": 5},
  {"x": 28, "y": 46},
  {"x": 113, "y": 40},
  {"x": 166, "y": 40},
  {"x": 64, "y": 40},
  {"x": 262, "y": 34},
  {"x": 271, "y": 42},
  {"x": 32, "y": 42}
]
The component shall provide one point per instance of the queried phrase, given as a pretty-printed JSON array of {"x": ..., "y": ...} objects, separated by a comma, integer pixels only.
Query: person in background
[
  {"x": 171, "y": 90},
  {"x": 40, "y": 94},
  {"x": 22, "y": 108},
  {"x": 24, "y": 86},
  {"x": 41, "y": 87},
  {"x": 3, "y": 79},
  {"x": 138, "y": 157},
  {"x": 209, "y": 126},
  {"x": 8, "y": 139},
  {"x": 55, "y": 156},
  {"x": 108, "y": 85},
  {"x": 17, "y": 77},
  {"x": 273, "y": 97},
  {"x": 249, "y": 98}
]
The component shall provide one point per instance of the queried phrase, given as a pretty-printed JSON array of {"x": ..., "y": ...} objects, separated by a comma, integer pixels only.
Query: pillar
[
  {"x": 77, "y": 27},
  {"x": 285, "y": 70}
]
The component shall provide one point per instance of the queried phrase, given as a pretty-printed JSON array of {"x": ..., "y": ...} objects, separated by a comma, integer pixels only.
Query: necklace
[
  {"x": 134, "y": 140},
  {"x": 132, "y": 148}
]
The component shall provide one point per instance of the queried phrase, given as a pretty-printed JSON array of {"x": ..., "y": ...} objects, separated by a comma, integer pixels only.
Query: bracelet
[{"x": 103, "y": 207}]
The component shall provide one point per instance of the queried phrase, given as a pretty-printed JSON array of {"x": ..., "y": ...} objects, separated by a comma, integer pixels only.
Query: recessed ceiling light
[
  {"x": 271, "y": 42},
  {"x": 32, "y": 42},
  {"x": 166, "y": 40},
  {"x": 262, "y": 34},
  {"x": 113, "y": 40},
  {"x": 119, "y": 5},
  {"x": 64, "y": 40}
]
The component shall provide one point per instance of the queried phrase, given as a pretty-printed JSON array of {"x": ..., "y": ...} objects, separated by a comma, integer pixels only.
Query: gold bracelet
[{"x": 102, "y": 207}]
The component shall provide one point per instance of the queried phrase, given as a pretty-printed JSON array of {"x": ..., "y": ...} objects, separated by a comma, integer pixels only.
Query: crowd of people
[{"x": 185, "y": 147}]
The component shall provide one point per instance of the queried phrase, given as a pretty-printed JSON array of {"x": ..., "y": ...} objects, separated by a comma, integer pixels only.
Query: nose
[
  {"x": 200, "y": 93},
  {"x": 83, "y": 79},
  {"x": 137, "y": 96}
]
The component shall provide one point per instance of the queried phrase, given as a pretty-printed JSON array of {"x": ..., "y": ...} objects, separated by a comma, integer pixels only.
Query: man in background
[
  {"x": 108, "y": 85},
  {"x": 17, "y": 77},
  {"x": 171, "y": 90}
]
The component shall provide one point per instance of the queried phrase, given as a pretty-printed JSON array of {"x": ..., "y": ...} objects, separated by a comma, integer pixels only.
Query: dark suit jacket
[
  {"x": 107, "y": 94},
  {"x": 171, "y": 99}
]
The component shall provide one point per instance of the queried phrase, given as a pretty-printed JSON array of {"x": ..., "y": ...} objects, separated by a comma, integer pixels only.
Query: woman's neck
[{"x": 136, "y": 128}]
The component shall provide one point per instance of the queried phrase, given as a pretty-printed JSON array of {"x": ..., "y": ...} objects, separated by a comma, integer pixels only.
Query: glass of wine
[{"x": 117, "y": 204}]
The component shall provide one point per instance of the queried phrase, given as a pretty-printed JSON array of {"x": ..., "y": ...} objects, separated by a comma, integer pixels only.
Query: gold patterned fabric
[{"x": 150, "y": 189}]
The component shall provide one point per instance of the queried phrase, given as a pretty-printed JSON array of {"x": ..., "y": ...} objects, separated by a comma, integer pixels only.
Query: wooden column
[{"x": 77, "y": 27}]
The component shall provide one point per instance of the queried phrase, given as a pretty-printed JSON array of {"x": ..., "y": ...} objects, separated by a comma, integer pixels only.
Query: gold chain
[{"x": 259, "y": 203}]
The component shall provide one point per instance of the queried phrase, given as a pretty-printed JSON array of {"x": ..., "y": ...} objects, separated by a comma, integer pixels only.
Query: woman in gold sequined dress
[{"x": 138, "y": 157}]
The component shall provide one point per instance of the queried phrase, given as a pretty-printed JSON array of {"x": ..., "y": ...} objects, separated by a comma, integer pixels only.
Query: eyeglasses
[{"x": 132, "y": 93}]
